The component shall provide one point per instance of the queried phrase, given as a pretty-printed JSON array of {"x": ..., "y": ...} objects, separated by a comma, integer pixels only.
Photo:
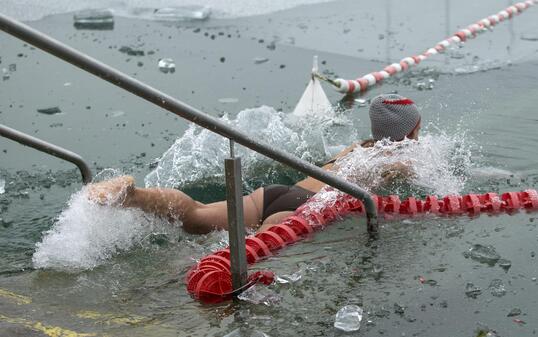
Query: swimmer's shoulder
[{"x": 362, "y": 144}]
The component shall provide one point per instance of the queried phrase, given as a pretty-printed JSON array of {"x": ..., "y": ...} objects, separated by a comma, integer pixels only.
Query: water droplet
[
  {"x": 167, "y": 65},
  {"x": 349, "y": 318}
]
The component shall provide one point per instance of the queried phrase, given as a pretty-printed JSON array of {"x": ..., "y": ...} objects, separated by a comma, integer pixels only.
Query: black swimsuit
[{"x": 278, "y": 198}]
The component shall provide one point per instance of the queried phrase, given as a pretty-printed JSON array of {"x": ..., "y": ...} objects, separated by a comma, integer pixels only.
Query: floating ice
[
  {"x": 349, "y": 318},
  {"x": 183, "y": 13},
  {"x": 167, "y": 65},
  {"x": 228, "y": 100},
  {"x": 98, "y": 19},
  {"x": 2, "y": 186},
  {"x": 361, "y": 102},
  {"x": 289, "y": 278},
  {"x": 483, "y": 254},
  {"x": 35, "y": 9},
  {"x": 244, "y": 332},
  {"x": 5, "y": 74},
  {"x": 504, "y": 264},
  {"x": 529, "y": 37},
  {"x": 260, "y": 60},
  {"x": 497, "y": 288},
  {"x": 514, "y": 312},
  {"x": 50, "y": 111},
  {"x": 260, "y": 295},
  {"x": 472, "y": 291}
]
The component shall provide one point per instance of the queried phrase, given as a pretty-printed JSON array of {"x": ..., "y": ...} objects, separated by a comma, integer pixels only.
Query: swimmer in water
[{"x": 392, "y": 117}]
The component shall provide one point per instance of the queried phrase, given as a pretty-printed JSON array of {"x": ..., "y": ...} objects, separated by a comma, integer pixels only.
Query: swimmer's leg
[{"x": 197, "y": 218}]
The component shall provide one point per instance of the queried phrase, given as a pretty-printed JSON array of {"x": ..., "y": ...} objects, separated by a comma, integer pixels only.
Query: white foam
[
  {"x": 440, "y": 165},
  {"x": 85, "y": 235},
  {"x": 37, "y": 9},
  {"x": 199, "y": 154}
]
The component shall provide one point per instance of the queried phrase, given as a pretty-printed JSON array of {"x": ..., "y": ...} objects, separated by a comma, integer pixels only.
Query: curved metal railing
[{"x": 49, "y": 148}]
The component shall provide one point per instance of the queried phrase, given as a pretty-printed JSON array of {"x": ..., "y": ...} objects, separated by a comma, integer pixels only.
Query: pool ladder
[{"x": 232, "y": 165}]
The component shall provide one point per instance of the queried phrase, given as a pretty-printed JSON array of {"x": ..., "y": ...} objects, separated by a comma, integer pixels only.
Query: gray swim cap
[{"x": 393, "y": 116}]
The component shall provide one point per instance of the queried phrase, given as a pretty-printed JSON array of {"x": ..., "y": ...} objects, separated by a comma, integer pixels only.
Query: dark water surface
[{"x": 487, "y": 92}]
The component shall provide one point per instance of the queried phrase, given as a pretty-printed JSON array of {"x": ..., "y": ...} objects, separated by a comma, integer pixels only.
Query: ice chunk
[
  {"x": 497, "y": 288},
  {"x": 228, "y": 100},
  {"x": 183, "y": 13},
  {"x": 514, "y": 312},
  {"x": 2, "y": 186},
  {"x": 260, "y": 60},
  {"x": 97, "y": 19},
  {"x": 259, "y": 295},
  {"x": 167, "y": 65},
  {"x": 289, "y": 278},
  {"x": 5, "y": 74},
  {"x": 361, "y": 102},
  {"x": 472, "y": 291},
  {"x": 244, "y": 332},
  {"x": 50, "y": 111},
  {"x": 529, "y": 37},
  {"x": 483, "y": 254},
  {"x": 349, "y": 318}
]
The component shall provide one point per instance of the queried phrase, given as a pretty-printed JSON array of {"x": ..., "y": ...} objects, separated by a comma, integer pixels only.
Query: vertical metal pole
[{"x": 236, "y": 225}]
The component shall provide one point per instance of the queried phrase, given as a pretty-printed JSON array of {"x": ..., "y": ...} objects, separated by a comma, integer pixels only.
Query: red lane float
[
  {"x": 210, "y": 279},
  {"x": 365, "y": 82}
]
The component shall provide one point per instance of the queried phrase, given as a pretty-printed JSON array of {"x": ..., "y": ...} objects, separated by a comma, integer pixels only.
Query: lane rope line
[{"x": 363, "y": 83}]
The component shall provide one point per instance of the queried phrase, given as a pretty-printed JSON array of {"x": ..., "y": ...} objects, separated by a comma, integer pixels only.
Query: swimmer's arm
[{"x": 397, "y": 171}]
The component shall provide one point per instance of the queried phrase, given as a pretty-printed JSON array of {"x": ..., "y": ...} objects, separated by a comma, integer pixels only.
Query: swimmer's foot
[{"x": 113, "y": 192}]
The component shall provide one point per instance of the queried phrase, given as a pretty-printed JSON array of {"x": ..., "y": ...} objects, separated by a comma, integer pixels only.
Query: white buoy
[{"x": 314, "y": 101}]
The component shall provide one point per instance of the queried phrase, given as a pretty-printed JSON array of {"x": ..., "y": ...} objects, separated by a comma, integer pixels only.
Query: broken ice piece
[
  {"x": 182, "y": 13},
  {"x": 50, "y": 111},
  {"x": 96, "y": 19}
]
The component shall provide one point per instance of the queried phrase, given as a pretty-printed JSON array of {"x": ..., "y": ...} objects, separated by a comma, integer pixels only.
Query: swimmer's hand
[
  {"x": 397, "y": 171},
  {"x": 111, "y": 192}
]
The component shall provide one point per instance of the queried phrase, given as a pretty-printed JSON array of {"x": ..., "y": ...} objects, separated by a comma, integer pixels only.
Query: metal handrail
[
  {"x": 181, "y": 109},
  {"x": 49, "y": 148}
]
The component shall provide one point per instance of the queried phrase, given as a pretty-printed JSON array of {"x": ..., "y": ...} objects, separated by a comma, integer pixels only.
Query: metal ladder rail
[{"x": 48, "y": 148}]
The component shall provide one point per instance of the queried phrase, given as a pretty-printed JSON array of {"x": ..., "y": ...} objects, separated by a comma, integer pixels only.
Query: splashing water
[
  {"x": 439, "y": 165},
  {"x": 199, "y": 154},
  {"x": 85, "y": 234}
]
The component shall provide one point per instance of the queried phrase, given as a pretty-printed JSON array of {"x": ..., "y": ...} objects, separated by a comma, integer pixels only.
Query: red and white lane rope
[{"x": 369, "y": 80}]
